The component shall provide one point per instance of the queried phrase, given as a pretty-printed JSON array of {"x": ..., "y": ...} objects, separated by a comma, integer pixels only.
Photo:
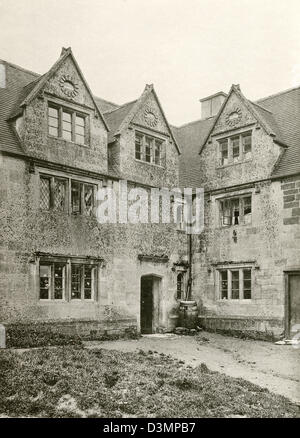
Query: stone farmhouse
[{"x": 61, "y": 270}]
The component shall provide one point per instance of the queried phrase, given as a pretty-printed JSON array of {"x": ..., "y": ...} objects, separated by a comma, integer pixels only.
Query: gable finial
[{"x": 64, "y": 50}]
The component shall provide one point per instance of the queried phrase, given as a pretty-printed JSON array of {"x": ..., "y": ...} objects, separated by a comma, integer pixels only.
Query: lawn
[{"x": 71, "y": 381}]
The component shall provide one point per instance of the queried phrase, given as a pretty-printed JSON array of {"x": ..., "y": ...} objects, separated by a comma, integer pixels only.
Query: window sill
[
  {"x": 224, "y": 227},
  {"x": 87, "y": 146},
  {"x": 149, "y": 164},
  {"x": 242, "y": 300},
  {"x": 234, "y": 164}
]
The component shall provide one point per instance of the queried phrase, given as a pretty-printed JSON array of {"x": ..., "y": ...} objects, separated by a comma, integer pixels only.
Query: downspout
[{"x": 190, "y": 255}]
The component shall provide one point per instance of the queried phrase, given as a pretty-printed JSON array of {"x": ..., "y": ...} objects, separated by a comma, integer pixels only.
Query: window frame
[
  {"x": 241, "y": 282},
  {"x": 51, "y": 289},
  {"x": 242, "y": 157},
  {"x": 61, "y": 109},
  {"x": 241, "y": 202},
  {"x": 52, "y": 261},
  {"x": 69, "y": 180},
  {"x": 154, "y": 141}
]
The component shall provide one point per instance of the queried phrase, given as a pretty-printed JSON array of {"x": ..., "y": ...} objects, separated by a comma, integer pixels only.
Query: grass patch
[{"x": 70, "y": 381}]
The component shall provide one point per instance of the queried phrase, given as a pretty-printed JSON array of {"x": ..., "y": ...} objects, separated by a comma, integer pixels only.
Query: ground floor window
[
  {"x": 67, "y": 279},
  {"x": 235, "y": 283},
  {"x": 180, "y": 286}
]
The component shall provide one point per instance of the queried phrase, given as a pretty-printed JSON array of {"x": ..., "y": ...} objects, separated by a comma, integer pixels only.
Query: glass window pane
[
  {"x": 67, "y": 135},
  {"x": 179, "y": 286},
  {"x": 88, "y": 281},
  {"x": 235, "y": 287},
  {"x": 79, "y": 130},
  {"x": 53, "y": 112},
  {"x": 157, "y": 156},
  {"x": 224, "y": 152},
  {"x": 148, "y": 144},
  {"x": 76, "y": 274},
  {"x": 59, "y": 280},
  {"x": 45, "y": 193},
  {"x": 224, "y": 285},
  {"x": 79, "y": 121},
  {"x": 67, "y": 117},
  {"x": 45, "y": 280},
  {"x": 247, "y": 284},
  {"x": 76, "y": 197},
  {"x": 53, "y": 131},
  {"x": 53, "y": 122},
  {"x": 138, "y": 147},
  {"x": 226, "y": 213},
  {"x": 235, "y": 142},
  {"x": 88, "y": 199},
  {"x": 247, "y": 144},
  {"x": 59, "y": 195},
  {"x": 235, "y": 211}
]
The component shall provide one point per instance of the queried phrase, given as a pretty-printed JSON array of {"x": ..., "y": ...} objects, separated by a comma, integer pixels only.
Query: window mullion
[
  {"x": 52, "y": 282},
  {"x": 241, "y": 284},
  {"x": 82, "y": 203},
  {"x": 52, "y": 191},
  {"x": 82, "y": 282},
  {"x": 229, "y": 283}
]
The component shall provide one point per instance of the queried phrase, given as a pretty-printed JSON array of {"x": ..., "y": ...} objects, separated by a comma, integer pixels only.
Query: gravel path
[{"x": 276, "y": 367}]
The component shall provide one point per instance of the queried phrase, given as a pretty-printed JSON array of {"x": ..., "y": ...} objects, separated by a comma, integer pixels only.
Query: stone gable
[
  {"x": 151, "y": 117},
  {"x": 235, "y": 114}
]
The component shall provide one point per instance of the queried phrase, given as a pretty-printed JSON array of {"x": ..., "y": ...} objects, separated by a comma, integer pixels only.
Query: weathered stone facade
[
  {"x": 267, "y": 245},
  {"x": 28, "y": 233}
]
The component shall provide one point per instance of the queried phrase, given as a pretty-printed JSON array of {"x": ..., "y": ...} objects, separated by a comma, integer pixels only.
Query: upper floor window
[
  {"x": 235, "y": 284},
  {"x": 236, "y": 211},
  {"x": 235, "y": 149},
  {"x": 65, "y": 194},
  {"x": 148, "y": 149},
  {"x": 67, "y": 124}
]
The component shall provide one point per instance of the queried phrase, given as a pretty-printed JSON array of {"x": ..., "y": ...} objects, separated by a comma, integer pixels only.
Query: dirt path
[{"x": 275, "y": 367}]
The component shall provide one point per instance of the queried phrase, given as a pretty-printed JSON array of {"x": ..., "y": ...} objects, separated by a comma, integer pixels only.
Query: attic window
[
  {"x": 235, "y": 149},
  {"x": 67, "y": 124},
  {"x": 148, "y": 149}
]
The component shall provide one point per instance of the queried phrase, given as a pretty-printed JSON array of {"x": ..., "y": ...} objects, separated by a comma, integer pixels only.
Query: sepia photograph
[{"x": 149, "y": 213}]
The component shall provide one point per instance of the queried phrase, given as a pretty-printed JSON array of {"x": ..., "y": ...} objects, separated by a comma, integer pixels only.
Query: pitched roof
[
  {"x": 115, "y": 118},
  {"x": 279, "y": 113},
  {"x": 190, "y": 137},
  {"x": 285, "y": 107},
  {"x": 105, "y": 105},
  {"x": 120, "y": 118},
  {"x": 18, "y": 82}
]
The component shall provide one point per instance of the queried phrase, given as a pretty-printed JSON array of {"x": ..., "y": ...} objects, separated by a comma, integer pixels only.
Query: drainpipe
[{"x": 189, "y": 284}]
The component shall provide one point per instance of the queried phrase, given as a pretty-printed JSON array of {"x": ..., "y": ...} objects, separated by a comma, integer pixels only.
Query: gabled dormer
[
  {"x": 58, "y": 119},
  {"x": 243, "y": 144},
  {"x": 141, "y": 144}
]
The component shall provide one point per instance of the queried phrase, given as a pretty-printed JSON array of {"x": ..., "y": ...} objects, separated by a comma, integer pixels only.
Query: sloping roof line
[
  {"x": 119, "y": 107},
  {"x": 277, "y": 94},
  {"x": 134, "y": 110},
  {"x": 65, "y": 53},
  {"x": 249, "y": 106}
]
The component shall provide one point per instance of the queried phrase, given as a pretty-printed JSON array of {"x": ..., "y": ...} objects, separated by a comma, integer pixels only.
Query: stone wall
[{"x": 27, "y": 230}]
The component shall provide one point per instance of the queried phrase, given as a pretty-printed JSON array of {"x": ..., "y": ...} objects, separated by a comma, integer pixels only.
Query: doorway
[
  {"x": 149, "y": 316},
  {"x": 292, "y": 304}
]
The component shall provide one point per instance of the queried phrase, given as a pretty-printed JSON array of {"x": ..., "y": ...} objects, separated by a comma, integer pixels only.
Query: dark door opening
[
  {"x": 146, "y": 305},
  {"x": 293, "y": 314}
]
